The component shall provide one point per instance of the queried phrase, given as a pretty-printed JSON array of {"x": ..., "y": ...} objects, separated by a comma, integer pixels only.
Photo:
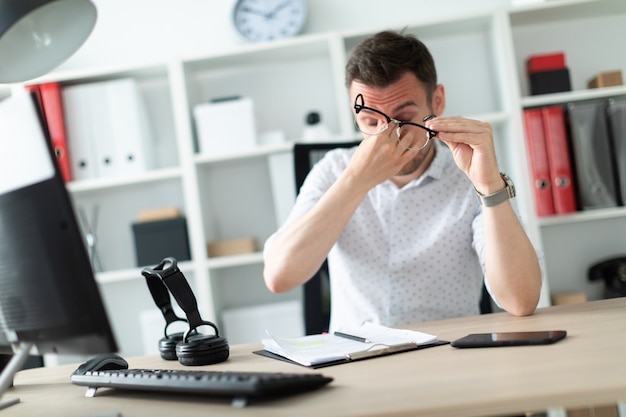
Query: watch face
[{"x": 262, "y": 20}]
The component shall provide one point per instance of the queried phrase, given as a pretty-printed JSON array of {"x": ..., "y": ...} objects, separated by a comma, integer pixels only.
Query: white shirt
[{"x": 406, "y": 255}]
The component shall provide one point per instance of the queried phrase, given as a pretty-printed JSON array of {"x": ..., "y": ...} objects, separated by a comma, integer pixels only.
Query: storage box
[
  {"x": 552, "y": 81},
  {"x": 548, "y": 73},
  {"x": 159, "y": 239},
  {"x": 225, "y": 125},
  {"x": 545, "y": 62},
  {"x": 232, "y": 247},
  {"x": 560, "y": 298},
  {"x": 606, "y": 79}
]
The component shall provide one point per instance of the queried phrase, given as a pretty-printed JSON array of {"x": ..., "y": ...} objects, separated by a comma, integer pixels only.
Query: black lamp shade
[{"x": 38, "y": 35}]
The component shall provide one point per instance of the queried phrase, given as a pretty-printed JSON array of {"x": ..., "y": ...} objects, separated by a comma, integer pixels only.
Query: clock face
[{"x": 262, "y": 20}]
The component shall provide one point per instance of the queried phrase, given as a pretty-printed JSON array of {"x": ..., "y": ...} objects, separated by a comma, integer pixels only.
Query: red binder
[
  {"x": 539, "y": 167},
  {"x": 52, "y": 104},
  {"x": 559, "y": 159}
]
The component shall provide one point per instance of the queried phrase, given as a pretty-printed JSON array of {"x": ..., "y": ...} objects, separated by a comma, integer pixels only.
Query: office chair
[{"x": 317, "y": 289}]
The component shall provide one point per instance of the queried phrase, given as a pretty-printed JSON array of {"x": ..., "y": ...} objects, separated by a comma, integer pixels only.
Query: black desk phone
[{"x": 613, "y": 272}]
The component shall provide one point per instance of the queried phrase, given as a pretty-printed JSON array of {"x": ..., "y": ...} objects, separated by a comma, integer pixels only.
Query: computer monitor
[{"x": 49, "y": 299}]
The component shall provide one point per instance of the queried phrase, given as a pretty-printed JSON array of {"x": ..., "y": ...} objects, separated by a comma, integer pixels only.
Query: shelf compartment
[
  {"x": 153, "y": 84},
  {"x": 298, "y": 74},
  {"x": 244, "y": 287},
  {"x": 571, "y": 248},
  {"x": 584, "y": 31},
  {"x": 234, "y": 199},
  {"x": 117, "y": 209}
]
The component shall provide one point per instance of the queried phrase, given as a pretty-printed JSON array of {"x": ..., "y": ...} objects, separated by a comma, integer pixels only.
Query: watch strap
[{"x": 500, "y": 196}]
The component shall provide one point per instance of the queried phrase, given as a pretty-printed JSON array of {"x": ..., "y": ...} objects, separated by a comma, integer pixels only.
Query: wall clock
[{"x": 264, "y": 20}]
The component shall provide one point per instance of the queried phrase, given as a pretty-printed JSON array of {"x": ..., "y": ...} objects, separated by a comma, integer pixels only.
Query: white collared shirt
[{"x": 407, "y": 255}]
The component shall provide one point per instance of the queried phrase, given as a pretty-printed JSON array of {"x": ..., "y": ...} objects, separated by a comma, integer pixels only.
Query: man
[{"x": 409, "y": 225}]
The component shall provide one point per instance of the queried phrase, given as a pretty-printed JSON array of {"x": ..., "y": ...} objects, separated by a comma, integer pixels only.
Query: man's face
[{"x": 406, "y": 100}]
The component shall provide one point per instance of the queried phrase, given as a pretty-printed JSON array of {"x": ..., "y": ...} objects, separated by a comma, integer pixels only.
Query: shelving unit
[
  {"x": 480, "y": 60},
  {"x": 588, "y": 33}
]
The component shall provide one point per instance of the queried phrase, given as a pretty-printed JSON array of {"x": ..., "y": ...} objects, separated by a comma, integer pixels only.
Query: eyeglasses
[{"x": 372, "y": 122}]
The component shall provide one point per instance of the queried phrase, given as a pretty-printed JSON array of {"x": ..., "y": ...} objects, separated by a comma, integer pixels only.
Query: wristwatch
[{"x": 499, "y": 196}]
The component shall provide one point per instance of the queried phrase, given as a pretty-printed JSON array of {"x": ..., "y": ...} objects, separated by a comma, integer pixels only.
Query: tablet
[{"x": 509, "y": 339}]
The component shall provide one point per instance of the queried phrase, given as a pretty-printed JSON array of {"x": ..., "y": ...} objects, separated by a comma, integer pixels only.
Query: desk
[{"x": 587, "y": 367}]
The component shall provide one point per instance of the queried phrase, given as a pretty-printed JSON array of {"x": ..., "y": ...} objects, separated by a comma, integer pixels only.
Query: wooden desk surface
[{"x": 588, "y": 367}]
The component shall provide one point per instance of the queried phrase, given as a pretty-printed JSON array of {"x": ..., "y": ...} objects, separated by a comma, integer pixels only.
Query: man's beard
[{"x": 417, "y": 161}]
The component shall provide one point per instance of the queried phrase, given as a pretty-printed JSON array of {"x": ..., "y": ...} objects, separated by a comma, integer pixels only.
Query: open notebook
[{"x": 367, "y": 341}]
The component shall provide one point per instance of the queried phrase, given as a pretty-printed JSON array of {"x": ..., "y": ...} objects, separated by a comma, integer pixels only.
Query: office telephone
[{"x": 613, "y": 272}]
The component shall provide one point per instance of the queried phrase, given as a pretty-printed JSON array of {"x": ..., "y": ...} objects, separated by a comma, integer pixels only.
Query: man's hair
[{"x": 383, "y": 58}]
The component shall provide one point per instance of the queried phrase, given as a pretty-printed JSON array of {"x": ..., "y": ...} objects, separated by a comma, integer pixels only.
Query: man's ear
[{"x": 439, "y": 100}]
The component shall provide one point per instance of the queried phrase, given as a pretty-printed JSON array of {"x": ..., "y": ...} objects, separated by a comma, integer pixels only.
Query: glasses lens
[
  {"x": 370, "y": 122},
  {"x": 412, "y": 137}
]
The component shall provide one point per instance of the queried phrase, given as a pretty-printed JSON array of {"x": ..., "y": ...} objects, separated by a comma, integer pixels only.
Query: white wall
[{"x": 135, "y": 31}]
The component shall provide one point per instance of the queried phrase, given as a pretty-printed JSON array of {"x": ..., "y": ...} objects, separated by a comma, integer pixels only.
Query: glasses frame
[{"x": 358, "y": 107}]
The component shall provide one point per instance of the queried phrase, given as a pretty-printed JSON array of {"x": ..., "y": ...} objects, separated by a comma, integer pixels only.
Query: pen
[{"x": 351, "y": 337}]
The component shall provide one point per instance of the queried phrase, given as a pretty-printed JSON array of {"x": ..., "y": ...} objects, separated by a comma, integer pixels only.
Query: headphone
[{"x": 190, "y": 347}]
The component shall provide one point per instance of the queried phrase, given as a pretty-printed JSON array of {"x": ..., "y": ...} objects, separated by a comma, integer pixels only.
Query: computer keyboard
[{"x": 241, "y": 386}]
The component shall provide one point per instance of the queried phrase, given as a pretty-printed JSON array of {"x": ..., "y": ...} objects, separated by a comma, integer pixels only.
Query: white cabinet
[{"x": 480, "y": 59}]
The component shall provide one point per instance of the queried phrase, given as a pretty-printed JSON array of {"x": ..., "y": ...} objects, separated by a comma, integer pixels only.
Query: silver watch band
[{"x": 499, "y": 196}]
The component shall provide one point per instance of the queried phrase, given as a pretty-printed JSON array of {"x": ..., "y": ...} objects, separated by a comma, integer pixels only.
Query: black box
[
  {"x": 159, "y": 239},
  {"x": 553, "y": 81}
]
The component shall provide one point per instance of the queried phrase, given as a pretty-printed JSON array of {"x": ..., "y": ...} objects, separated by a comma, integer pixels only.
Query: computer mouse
[{"x": 103, "y": 362}]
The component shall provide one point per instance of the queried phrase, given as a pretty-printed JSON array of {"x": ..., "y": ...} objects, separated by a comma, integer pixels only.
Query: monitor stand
[{"x": 22, "y": 351}]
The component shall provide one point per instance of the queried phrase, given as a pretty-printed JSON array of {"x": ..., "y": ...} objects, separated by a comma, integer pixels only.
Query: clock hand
[
  {"x": 253, "y": 11},
  {"x": 278, "y": 8}
]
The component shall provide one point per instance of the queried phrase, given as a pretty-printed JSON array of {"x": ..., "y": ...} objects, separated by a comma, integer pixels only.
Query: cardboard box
[
  {"x": 161, "y": 213},
  {"x": 232, "y": 247},
  {"x": 606, "y": 79},
  {"x": 225, "y": 125},
  {"x": 159, "y": 239},
  {"x": 561, "y": 298}
]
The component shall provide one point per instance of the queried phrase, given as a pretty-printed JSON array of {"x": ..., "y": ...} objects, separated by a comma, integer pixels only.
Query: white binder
[
  {"x": 131, "y": 129},
  {"x": 108, "y": 129},
  {"x": 102, "y": 133},
  {"x": 81, "y": 148}
]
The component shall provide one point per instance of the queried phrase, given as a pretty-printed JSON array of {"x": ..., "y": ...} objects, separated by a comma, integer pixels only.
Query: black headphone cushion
[
  {"x": 202, "y": 350},
  {"x": 167, "y": 346}
]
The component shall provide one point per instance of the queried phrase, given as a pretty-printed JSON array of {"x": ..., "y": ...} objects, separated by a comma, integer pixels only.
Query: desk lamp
[{"x": 38, "y": 35}]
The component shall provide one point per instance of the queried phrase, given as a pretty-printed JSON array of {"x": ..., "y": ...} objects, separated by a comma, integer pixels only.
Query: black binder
[
  {"x": 592, "y": 155},
  {"x": 616, "y": 114}
]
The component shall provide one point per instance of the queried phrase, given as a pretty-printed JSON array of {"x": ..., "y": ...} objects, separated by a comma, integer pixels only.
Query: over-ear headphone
[
  {"x": 190, "y": 347},
  {"x": 161, "y": 296}
]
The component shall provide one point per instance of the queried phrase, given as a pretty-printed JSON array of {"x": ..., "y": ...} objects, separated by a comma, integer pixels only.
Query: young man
[{"x": 410, "y": 226}]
